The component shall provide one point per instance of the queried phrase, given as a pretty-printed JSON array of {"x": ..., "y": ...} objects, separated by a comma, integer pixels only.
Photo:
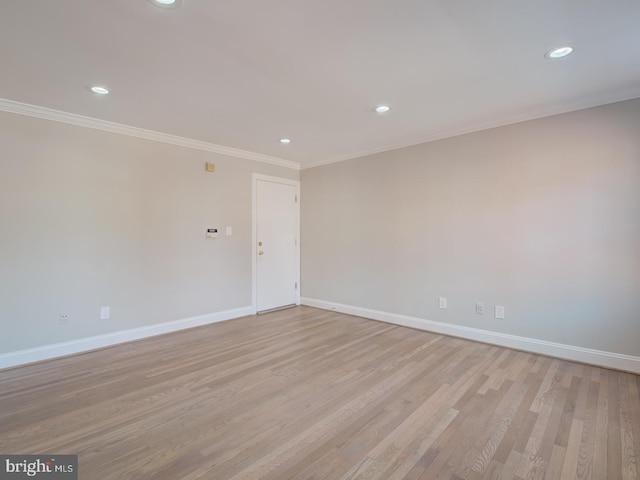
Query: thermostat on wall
[{"x": 212, "y": 233}]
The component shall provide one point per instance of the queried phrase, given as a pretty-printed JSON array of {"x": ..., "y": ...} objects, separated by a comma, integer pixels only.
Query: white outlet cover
[
  {"x": 479, "y": 308},
  {"x": 229, "y": 231},
  {"x": 499, "y": 311},
  {"x": 442, "y": 302},
  {"x": 105, "y": 313}
]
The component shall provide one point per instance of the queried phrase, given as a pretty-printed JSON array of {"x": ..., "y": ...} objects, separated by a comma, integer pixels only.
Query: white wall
[
  {"x": 89, "y": 218},
  {"x": 542, "y": 217}
]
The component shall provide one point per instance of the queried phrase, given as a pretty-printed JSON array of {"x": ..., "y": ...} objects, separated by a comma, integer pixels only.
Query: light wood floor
[{"x": 310, "y": 394}]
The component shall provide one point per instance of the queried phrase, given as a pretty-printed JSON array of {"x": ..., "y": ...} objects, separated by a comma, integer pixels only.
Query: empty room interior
[{"x": 320, "y": 240}]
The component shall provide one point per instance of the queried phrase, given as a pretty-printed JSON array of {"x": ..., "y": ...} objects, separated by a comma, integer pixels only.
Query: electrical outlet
[
  {"x": 63, "y": 318},
  {"x": 105, "y": 313},
  {"x": 499, "y": 311},
  {"x": 479, "y": 308},
  {"x": 442, "y": 302}
]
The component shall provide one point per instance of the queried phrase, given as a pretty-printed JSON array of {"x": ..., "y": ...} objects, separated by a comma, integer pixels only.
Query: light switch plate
[
  {"x": 442, "y": 302},
  {"x": 499, "y": 311}
]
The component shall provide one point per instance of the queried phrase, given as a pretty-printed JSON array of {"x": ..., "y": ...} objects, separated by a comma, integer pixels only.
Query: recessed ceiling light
[
  {"x": 285, "y": 141},
  {"x": 382, "y": 108},
  {"x": 99, "y": 90},
  {"x": 559, "y": 52},
  {"x": 167, "y": 3}
]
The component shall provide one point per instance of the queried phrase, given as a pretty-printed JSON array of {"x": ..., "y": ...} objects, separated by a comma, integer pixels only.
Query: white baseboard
[
  {"x": 600, "y": 358},
  {"x": 46, "y": 352}
]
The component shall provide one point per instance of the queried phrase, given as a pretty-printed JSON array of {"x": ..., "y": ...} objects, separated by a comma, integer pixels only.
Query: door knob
[{"x": 260, "y": 252}]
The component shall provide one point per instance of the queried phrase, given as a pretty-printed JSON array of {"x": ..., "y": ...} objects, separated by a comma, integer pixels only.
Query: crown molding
[
  {"x": 486, "y": 124},
  {"x": 11, "y": 106}
]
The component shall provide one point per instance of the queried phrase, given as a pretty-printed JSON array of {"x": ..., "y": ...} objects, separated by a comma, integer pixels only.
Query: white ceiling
[{"x": 244, "y": 73}]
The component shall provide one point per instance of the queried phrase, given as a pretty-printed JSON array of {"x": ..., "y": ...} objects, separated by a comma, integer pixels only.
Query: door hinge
[
  {"x": 296, "y": 198},
  {"x": 296, "y": 285},
  {"x": 295, "y": 242}
]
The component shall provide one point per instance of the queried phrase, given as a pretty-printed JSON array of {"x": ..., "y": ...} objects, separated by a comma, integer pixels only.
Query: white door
[{"x": 276, "y": 244}]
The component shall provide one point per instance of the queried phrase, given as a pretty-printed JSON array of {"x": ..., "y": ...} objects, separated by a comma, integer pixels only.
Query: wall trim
[
  {"x": 97, "y": 124},
  {"x": 71, "y": 347},
  {"x": 599, "y": 358}
]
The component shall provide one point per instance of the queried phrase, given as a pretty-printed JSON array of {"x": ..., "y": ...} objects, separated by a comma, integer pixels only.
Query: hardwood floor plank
[
  {"x": 493, "y": 471},
  {"x": 508, "y": 471},
  {"x": 435, "y": 461},
  {"x": 515, "y": 430},
  {"x": 634, "y": 407},
  {"x": 562, "y": 438},
  {"x": 538, "y": 452},
  {"x": 570, "y": 467},
  {"x": 587, "y": 442},
  {"x": 429, "y": 439},
  {"x": 602, "y": 425},
  {"x": 614, "y": 448},
  {"x": 554, "y": 470},
  {"x": 629, "y": 464},
  {"x": 479, "y": 458}
]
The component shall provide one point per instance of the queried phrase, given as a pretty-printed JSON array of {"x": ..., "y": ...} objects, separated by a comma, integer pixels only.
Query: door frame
[{"x": 254, "y": 233}]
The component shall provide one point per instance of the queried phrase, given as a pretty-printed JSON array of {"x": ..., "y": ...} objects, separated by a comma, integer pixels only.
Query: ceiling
[{"x": 245, "y": 73}]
